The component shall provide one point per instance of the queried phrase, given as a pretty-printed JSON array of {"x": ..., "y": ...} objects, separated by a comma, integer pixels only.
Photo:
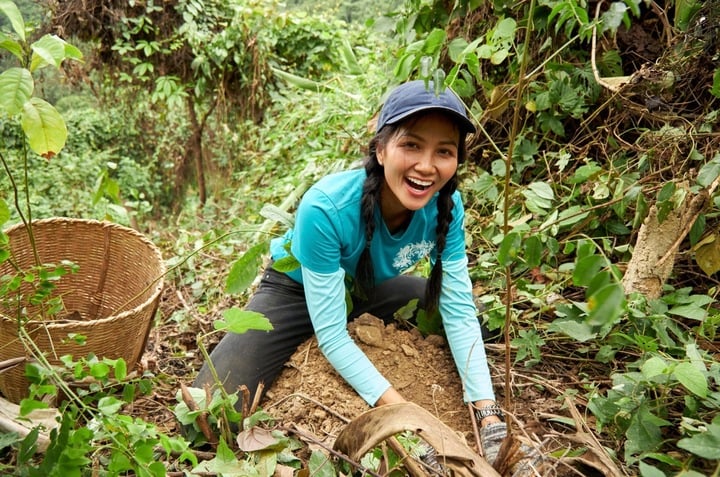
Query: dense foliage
[{"x": 581, "y": 146}]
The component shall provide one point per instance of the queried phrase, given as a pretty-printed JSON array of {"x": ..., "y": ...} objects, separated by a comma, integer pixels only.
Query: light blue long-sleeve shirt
[{"x": 328, "y": 239}]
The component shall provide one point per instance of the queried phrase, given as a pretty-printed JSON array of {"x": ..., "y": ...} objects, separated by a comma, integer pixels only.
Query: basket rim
[{"x": 159, "y": 282}]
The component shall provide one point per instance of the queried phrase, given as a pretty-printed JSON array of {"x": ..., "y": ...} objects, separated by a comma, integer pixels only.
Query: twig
[
  {"x": 308, "y": 398},
  {"x": 408, "y": 462},
  {"x": 202, "y": 417}
]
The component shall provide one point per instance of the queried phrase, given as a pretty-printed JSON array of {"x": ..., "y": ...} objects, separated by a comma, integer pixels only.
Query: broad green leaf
[
  {"x": 647, "y": 470},
  {"x": 226, "y": 464},
  {"x": 606, "y": 305},
  {"x": 585, "y": 172},
  {"x": 692, "y": 378},
  {"x": 120, "y": 369},
  {"x": 434, "y": 41},
  {"x": 275, "y": 213},
  {"x": 693, "y": 354},
  {"x": 705, "y": 444},
  {"x": 707, "y": 255},
  {"x": 578, "y": 331},
  {"x": 48, "y": 50},
  {"x": 109, "y": 405},
  {"x": 644, "y": 433},
  {"x": 613, "y": 17},
  {"x": 320, "y": 465},
  {"x": 16, "y": 20},
  {"x": 44, "y": 127},
  {"x": 29, "y": 405},
  {"x": 239, "y": 321},
  {"x": 286, "y": 264},
  {"x": 16, "y": 88},
  {"x": 653, "y": 367},
  {"x": 587, "y": 268},
  {"x": 692, "y": 312},
  {"x": 709, "y": 171},
  {"x": 509, "y": 248},
  {"x": 571, "y": 215},
  {"x": 7, "y": 439},
  {"x": 8, "y": 44},
  {"x": 533, "y": 250},
  {"x": 457, "y": 49},
  {"x": 245, "y": 269}
]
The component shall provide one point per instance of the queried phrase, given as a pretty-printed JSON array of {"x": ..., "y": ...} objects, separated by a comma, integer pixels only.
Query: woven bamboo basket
[{"x": 111, "y": 299}]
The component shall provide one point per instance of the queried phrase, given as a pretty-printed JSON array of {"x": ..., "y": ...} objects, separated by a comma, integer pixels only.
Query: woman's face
[{"x": 419, "y": 159}]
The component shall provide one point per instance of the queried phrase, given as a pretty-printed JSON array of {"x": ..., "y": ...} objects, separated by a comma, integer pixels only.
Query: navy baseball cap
[{"x": 412, "y": 97}]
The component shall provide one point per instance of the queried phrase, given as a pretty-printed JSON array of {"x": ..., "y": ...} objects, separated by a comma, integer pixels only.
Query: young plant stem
[
  {"x": 514, "y": 130},
  {"x": 16, "y": 200}
]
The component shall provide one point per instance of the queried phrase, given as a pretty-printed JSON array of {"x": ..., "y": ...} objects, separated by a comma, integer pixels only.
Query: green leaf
[
  {"x": 434, "y": 41},
  {"x": 299, "y": 81},
  {"x": 644, "y": 433},
  {"x": 705, "y": 444},
  {"x": 692, "y": 378},
  {"x": 48, "y": 50},
  {"x": 533, "y": 251},
  {"x": 320, "y": 465},
  {"x": 275, "y": 213},
  {"x": 653, "y": 367},
  {"x": 16, "y": 88},
  {"x": 286, "y": 264},
  {"x": 239, "y": 321},
  {"x": 576, "y": 330},
  {"x": 28, "y": 446},
  {"x": 647, "y": 470},
  {"x": 16, "y": 20},
  {"x": 4, "y": 214},
  {"x": 715, "y": 89},
  {"x": 8, "y": 44},
  {"x": 245, "y": 269},
  {"x": 44, "y": 127},
  {"x": 109, "y": 405},
  {"x": 587, "y": 268},
  {"x": 29, "y": 405},
  {"x": 709, "y": 171},
  {"x": 348, "y": 57},
  {"x": 120, "y": 369},
  {"x": 509, "y": 248},
  {"x": 606, "y": 305},
  {"x": 692, "y": 312},
  {"x": 613, "y": 17}
]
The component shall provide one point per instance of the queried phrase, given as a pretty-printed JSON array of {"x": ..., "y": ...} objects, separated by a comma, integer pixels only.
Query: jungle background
[{"x": 590, "y": 190}]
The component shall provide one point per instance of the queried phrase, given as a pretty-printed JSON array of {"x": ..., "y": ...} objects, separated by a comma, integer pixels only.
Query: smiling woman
[{"x": 356, "y": 235}]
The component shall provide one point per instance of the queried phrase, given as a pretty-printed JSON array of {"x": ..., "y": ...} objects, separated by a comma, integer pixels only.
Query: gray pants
[{"x": 258, "y": 356}]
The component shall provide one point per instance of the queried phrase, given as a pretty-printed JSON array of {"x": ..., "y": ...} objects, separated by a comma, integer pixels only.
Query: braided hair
[{"x": 364, "y": 273}]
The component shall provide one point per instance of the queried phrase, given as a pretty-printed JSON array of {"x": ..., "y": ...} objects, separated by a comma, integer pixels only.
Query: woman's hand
[{"x": 391, "y": 396}]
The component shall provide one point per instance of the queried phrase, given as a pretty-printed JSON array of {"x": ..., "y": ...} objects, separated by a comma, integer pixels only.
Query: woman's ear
[{"x": 380, "y": 155}]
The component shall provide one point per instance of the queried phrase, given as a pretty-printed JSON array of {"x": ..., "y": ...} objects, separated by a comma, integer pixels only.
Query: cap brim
[{"x": 465, "y": 124}]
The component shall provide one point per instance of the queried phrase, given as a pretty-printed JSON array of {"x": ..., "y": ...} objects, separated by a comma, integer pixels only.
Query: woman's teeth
[{"x": 418, "y": 184}]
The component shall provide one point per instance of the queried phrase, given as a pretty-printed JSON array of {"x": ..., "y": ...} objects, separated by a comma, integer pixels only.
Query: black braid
[
  {"x": 444, "y": 206},
  {"x": 364, "y": 273}
]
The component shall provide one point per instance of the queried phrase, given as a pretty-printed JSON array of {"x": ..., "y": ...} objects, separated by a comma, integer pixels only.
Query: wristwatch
[{"x": 487, "y": 411}]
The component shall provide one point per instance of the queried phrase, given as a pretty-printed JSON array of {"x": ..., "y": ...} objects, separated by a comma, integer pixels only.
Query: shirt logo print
[{"x": 411, "y": 253}]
